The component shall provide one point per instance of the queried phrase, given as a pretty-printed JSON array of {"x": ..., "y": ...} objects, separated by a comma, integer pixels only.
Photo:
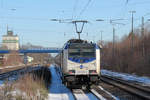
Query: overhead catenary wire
[
  {"x": 74, "y": 9},
  {"x": 25, "y": 18},
  {"x": 85, "y": 7},
  {"x": 137, "y": 3},
  {"x": 127, "y": 1},
  {"x": 2, "y": 3}
]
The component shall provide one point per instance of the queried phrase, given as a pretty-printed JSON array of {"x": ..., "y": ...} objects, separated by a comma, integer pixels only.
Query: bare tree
[{"x": 13, "y": 58}]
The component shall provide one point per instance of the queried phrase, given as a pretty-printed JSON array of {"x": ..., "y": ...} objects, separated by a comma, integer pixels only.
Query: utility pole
[
  {"x": 113, "y": 40},
  {"x": 142, "y": 33},
  {"x": 132, "y": 34},
  {"x": 113, "y": 44},
  {"x": 101, "y": 36}
]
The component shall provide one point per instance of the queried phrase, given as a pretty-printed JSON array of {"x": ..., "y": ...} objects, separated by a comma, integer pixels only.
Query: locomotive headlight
[
  {"x": 71, "y": 71},
  {"x": 92, "y": 71}
]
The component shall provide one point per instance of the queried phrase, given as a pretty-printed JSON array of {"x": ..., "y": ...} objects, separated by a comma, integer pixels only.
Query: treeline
[{"x": 128, "y": 58}]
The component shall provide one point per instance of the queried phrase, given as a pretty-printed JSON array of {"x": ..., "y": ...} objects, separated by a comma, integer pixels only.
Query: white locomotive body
[{"x": 80, "y": 63}]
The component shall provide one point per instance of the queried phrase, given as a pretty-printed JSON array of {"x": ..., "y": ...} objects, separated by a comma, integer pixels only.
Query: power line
[
  {"x": 25, "y": 18},
  {"x": 2, "y": 3},
  {"x": 127, "y": 1},
  {"x": 74, "y": 9},
  {"x": 137, "y": 3},
  {"x": 85, "y": 7}
]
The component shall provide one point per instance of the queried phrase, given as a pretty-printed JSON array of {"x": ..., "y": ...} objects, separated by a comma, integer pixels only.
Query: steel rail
[
  {"x": 95, "y": 93},
  {"x": 17, "y": 71},
  {"x": 101, "y": 93},
  {"x": 79, "y": 94},
  {"x": 134, "y": 89},
  {"x": 142, "y": 88},
  {"x": 75, "y": 98},
  {"x": 7, "y": 74}
]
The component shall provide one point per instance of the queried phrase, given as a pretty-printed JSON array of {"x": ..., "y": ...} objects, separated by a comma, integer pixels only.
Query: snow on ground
[
  {"x": 16, "y": 76},
  {"x": 145, "y": 81},
  {"x": 80, "y": 95},
  {"x": 10, "y": 79},
  {"x": 57, "y": 90},
  {"x": 91, "y": 96},
  {"x": 1, "y": 82}
]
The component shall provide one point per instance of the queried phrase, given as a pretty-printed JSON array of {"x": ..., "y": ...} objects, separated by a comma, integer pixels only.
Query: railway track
[
  {"x": 97, "y": 94},
  {"x": 102, "y": 94},
  {"x": 79, "y": 94},
  {"x": 9, "y": 69},
  {"x": 129, "y": 87},
  {"x": 91, "y": 94},
  {"x": 16, "y": 72}
]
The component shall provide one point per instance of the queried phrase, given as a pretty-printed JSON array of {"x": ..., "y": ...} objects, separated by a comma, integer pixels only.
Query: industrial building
[{"x": 10, "y": 41}]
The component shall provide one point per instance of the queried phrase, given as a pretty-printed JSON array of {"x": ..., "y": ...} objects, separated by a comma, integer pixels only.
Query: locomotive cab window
[{"x": 81, "y": 50}]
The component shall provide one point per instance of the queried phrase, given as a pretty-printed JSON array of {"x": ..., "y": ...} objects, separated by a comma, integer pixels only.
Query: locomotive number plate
[{"x": 82, "y": 71}]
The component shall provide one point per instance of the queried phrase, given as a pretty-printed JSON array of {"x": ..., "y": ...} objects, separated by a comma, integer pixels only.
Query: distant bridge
[{"x": 34, "y": 50}]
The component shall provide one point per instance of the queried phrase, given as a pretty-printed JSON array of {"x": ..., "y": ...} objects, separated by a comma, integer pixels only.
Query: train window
[
  {"x": 78, "y": 50},
  {"x": 86, "y": 46}
]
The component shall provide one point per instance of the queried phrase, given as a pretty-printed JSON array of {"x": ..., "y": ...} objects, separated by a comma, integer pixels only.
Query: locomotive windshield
[{"x": 81, "y": 50}]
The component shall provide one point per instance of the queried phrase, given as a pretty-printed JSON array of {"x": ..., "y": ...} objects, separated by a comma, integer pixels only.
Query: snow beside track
[
  {"x": 80, "y": 95},
  {"x": 1, "y": 82},
  {"x": 57, "y": 90},
  {"x": 15, "y": 75},
  {"x": 91, "y": 96},
  {"x": 145, "y": 81}
]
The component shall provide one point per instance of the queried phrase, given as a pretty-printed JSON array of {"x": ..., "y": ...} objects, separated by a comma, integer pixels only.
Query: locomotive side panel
[
  {"x": 98, "y": 61},
  {"x": 65, "y": 65}
]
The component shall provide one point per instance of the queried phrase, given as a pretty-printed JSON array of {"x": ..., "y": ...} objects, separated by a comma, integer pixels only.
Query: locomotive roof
[{"x": 76, "y": 41}]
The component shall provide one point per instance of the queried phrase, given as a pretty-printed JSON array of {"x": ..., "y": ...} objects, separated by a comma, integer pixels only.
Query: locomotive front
[{"x": 82, "y": 64}]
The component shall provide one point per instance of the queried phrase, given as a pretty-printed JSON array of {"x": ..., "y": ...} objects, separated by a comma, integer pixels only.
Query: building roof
[{"x": 10, "y": 33}]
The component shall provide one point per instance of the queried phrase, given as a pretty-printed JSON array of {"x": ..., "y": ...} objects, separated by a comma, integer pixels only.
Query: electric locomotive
[{"x": 80, "y": 63}]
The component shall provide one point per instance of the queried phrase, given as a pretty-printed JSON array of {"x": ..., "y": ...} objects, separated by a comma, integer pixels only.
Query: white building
[{"x": 10, "y": 41}]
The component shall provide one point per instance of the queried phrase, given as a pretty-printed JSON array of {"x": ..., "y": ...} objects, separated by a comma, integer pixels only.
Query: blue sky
[{"x": 31, "y": 19}]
